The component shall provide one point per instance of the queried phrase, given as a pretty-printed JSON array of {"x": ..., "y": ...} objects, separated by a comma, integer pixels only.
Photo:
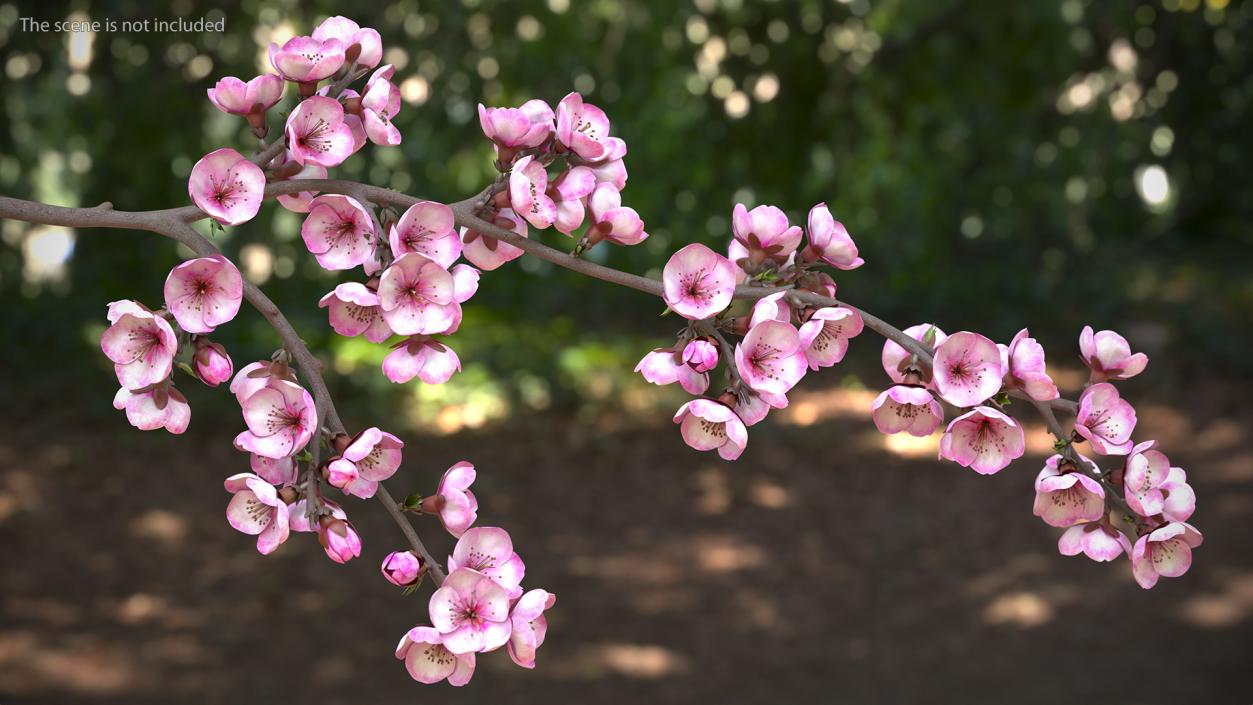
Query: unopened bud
[
  {"x": 433, "y": 504},
  {"x": 403, "y": 568}
]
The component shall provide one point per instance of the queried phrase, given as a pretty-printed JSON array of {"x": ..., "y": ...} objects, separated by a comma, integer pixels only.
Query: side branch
[{"x": 174, "y": 224}]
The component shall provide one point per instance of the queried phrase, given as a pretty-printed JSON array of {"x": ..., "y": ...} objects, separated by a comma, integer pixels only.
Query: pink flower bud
[
  {"x": 339, "y": 539},
  {"x": 403, "y": 568},
  {"x": 701, "y": 355},
  {"x": 213, "y": 365}
]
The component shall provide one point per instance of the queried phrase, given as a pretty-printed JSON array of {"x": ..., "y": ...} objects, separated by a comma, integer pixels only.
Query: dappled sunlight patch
[
  {"x": 1020, "y": 609},
  {"x": 159, "y": 526},
  {"x": 770, "y": 495},
  {"x": 807, "y": 408},
  {"x": 30, "y": 665},
  {"x": 640, "y": 660},
  {"x": 908, "y": 446},
  {"x": 1230, "y": 605},
  {"x": 606, "y": 659},
  {"x": 726, "y": 554},
  {"x": 140, "y": 608}
]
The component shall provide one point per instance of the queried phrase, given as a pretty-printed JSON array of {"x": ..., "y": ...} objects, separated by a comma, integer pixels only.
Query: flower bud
[
  {"x": 213, "y": 365},
  {"x": 340, "y": 473},
  {"x": 339, "y": 539},
  {"x": 701, "y": 355},
  {"x": 433, "y": 504},
  {"x": 403, "y": 568}
]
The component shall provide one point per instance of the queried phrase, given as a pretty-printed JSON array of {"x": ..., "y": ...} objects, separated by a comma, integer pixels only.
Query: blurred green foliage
[{"x": 1000, "y": 164}]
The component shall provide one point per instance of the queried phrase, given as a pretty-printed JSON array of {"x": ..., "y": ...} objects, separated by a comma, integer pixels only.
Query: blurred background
[{"x": 1050, "y": 164}]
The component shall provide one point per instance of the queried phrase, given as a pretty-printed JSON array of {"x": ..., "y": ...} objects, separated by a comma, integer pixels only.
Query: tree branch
[{"x": 173, "y": 223}]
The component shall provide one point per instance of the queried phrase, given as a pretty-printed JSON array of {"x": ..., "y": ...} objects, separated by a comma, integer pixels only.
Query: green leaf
[{"x": 413, "y": 501}]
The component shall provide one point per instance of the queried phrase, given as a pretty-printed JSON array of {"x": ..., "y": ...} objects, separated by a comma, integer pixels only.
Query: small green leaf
[
  {"x": 929, "y": 338},
  {"x": 413, "y": 501},
  {"x": 667, "y": 312}
]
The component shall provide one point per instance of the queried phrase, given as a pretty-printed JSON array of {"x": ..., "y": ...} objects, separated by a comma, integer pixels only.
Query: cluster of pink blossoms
[
  {"x": 413, "y": 288},
  {"x": 784, "y": 336},
  {"x": 561, "y": 168}
]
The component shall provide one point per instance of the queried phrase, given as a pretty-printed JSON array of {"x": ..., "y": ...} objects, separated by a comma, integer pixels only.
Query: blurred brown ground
[{"x": 824, "y": 566}]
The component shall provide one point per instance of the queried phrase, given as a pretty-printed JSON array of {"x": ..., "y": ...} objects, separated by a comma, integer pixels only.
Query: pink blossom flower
[
  {"x": 774, "y": 307},
  {"x": 1152, "y": 486},
  {"x": 234, "y": 97},
  {"x": 524, "y": 127},
  {"x": 419, "y": 356},
  {"x": 752, "y": 407},
  {"x": 582, "y": 128},
  {"x": 356, "y": 126},
  {"x": 967, "y": 369},
  {"x": 569, "y": 191},
  {"x": 895, "y": 358},
  {"x": 429, "y": 661},
  {"x": 140, "y": 344},
  {"x": 1023, "y": 362},
  {"x": 298, "y": 202},
  {"x": 307, "y": 60},
  {"x": 338, "y": 538},
  {"x": 701, "y": 355},
  {"x": 368, "y": 43},
  {"x": 663, "y": 366},
  {"x": 488, "y": 550},
  {"x": 379, "y": 105},
  {"x": 1164, "y": 553},
  {"x": 1066, "y": 495},
  {"x": 160, "y": 407},
  {"x": 984, "y": 440},
  {"x": 612, "y": 169},
  {"x": 226, "y": 186},
  {"x": 416, "y": 295},
  {"x": 281, "y": 419},
  {"x": 829, "y": 241},
  {"x": 213, "y": 365},
  {"x": 1109, "y": 356},
  {"x": 257, "y": 510},
  {"x": 257, "y": 375},
  {"x": 487, "y": 252},
  {"x": 371, "y": 457},
  {"x": 317, "y": 133},
  {"x": 353, "y": 310},
  {"x": 471, "y": 612},
  {"x": 770, "y": 358},
  {"x": 453, "y": 501},
  {"x": 276, "y": 471},
  {"x": 403, "y": 568},
  {"x": 528, "y": 186},
  {"x": 204, "y": 293},
  {"x": 529, "y": 626},
  {"x": 1098, "y": 541},
  {"x": 1144, "y": 473},
  {"x": 339, "y": 231},
  {"x": 427, "y": 228},
  {"x": 1105, "y": 419},
  {"x": 825, "y": 336},
  {"x": 611, "y": 220},
  {"x": 765, "y": 230},
  {"x": 909, "y": 409},
  {"x": 699, "y": 282},
  {"x": 706, "y": 424}
]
